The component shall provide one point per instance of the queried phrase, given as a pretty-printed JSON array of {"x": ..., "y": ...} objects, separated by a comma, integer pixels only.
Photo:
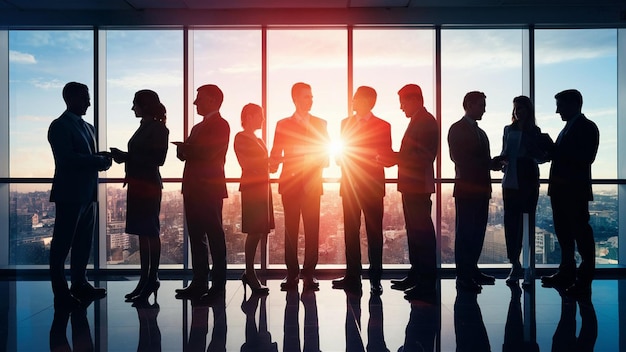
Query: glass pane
[
  {"x": 586, "y": 60},
  {"x": 319, "y": 58},
  {"x": 142, "y": 59},
  {"x": 40, "y": 63},
  {"x": 31, "y": 224},
  {"x": 230, "y": 59},
  {"x": 386, "y": 60},
  {"x": 489, "y": 61},
  {"x": 157, "y": 64}
]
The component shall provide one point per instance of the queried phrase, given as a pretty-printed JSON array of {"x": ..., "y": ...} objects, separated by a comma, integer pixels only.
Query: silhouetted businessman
[
  {"x": 570, "y": 192},
  {"x": 469, "y": 150},
  {"x": 416, "y": 182},
  {"x": 74, "y": 191},
  {"x": 300, "y": 144},
  {"x": 366, "y": 142},
  {"x": 204, "y": 190}
]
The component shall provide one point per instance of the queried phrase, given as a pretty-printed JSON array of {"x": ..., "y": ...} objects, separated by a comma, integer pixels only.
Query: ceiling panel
[
  {"x": 265, "y": 4},
  {"x": 69, "y": 4},
  {"x": 379, "y": 3},
  {"x": 158, "y": 4}
]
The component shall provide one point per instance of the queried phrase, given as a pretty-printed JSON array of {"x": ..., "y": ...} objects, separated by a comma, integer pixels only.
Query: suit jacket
[
  {"x": 469, "y": 150},
  {"x": 363, "y": 143},
  {"x": 252, "y": 156},
  {"x": 418, "y": 151},
  {"x": 204, "y": 153},
  {"x": 76, "y": 164},
  {"x": 573, "y": 154},
  {"x": 147, "y": 149},
  {"x": 303, "y": 153}
]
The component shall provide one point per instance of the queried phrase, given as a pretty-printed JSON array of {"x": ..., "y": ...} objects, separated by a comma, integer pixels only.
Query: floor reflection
[{"x": 508, "y": 317}]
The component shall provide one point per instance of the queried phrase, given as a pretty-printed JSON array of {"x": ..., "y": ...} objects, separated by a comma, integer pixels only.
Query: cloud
[
  {"x": 21, "y": 58},
  {"x": 48, "y": 84},
  {"x": 143, "y": 79}
]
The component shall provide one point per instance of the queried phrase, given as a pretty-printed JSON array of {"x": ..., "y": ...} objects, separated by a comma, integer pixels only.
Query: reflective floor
[{"x": 499, "y": 319}]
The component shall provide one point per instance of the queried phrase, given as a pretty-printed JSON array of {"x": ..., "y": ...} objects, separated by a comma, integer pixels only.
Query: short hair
[
  {"x": 368, "y": 93},
  {"x": 213, "y": 91},
  {"x": 150, "y": 104},
  {"x": 298, "y": 87},
  {"x": 248, "y": 110},
  {"x": 570, "y": 95},
  {"x": 473, "y": 97},
  {"x": 73, "y": 89},
  {"x": 411, "y": 91}
]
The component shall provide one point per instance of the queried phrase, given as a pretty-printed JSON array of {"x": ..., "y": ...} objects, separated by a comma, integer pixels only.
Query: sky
[{"x": 41, "y": 62}]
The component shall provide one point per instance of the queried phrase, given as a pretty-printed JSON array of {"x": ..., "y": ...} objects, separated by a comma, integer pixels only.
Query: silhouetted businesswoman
[
  {"x": 469, "y": 150},
  {"x": 147, "y": 149},
  {"x": 204, "y": 190},
  {"x": 300, "y": 144},
  {"x": 74, "y": 191},
  {"x": 570, "y": 191},
  {"x": 367, "y": 141},
  {"x": 416, "y": 182}
]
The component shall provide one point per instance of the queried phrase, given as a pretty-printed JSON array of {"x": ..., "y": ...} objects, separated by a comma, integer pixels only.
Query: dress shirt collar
[
  {"x": 364, "y": 118},
  {"x": 302, "y": 119},
  {"x": 210, "y": 115},
  {"x": 73, "y": 116},
  {"x": 470, "y": 120}
]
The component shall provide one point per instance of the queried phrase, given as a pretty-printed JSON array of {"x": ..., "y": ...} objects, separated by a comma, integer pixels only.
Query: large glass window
[
  {"x": 489, "y": 61},
  {"x": 135, "y": 60},
  {"x": 586, "y": 60},
  {"x": 40, "y": 63},
  {"x": 317, "y": 57}
]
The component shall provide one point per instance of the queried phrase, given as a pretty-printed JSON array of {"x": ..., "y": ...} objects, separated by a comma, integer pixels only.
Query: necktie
[{"x": 88, "y": 135}]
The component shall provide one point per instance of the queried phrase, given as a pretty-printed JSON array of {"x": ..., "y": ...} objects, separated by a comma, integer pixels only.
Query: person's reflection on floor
[
  {"x": 149, "y": 332},
  {"x": 81, "y": 334},
  {"x": 291, "y": 329},
  {"x": 423, "y": 327},
  {"x": 471, "y": 334},
  {"x": 311, "y": 323},
  {"x": 200, "y": 327},
  {"x": 257, "y": 338},
  {"x": 375, "y": 335},
  {"x": 564, "y": 338},
  {"x": 514, "y": 328},
  {"x": 354, "y": 342}
]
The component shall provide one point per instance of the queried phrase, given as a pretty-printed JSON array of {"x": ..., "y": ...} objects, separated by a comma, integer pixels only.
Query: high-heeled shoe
[
  {"x": 258, "y": 290},
  {"x": 136, "y": 290},
  {"x": 148, "y": 289}
]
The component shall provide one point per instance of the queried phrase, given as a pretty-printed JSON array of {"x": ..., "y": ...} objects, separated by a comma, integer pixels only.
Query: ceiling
[{"x": 254, "y": 12}]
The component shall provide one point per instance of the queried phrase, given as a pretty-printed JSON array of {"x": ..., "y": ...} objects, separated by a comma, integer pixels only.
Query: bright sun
[{"x": 335, "y": 148}]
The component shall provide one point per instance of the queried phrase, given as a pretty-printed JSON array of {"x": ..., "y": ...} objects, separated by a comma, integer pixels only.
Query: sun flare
[{"x": 335, "y": 148}]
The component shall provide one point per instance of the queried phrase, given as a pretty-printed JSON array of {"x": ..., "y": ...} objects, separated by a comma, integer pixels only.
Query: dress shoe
[
  {"x": 192, "y": 291},
  {"x": 579, "y": 290},
  {"x": 376, "y": 289},
  {"x": 311, "y": 283},
  {"x": 349, "y": 283},
  {"x": 289, "y": 283},
  {"x": 468, "y": 285},
  {"x": 403, "y": 284},
  {"x": 516, "y": 273},
  {"x": 484, "y": 279},
  {"x": 421, "y": 293},
  {"x": 85, "y": 291},
  {"x": 558, "y": 280},
  {"x": 213, "y": 296}
]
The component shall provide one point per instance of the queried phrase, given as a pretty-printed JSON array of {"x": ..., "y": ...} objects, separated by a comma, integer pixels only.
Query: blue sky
[{"x": 486, "y": 60}]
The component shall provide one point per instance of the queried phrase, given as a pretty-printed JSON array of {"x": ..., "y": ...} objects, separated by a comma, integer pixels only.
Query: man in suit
[
  {"x": 204, "y": 190},
  {"x": 469, "y": 150},
  {"x": 74, "y": 192},
  {"x": 416, "y": 182},
  {"x": 366, "y": 142},
  {"x": 570, "y": 192},
  {"x": 300, "y": 144}
]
